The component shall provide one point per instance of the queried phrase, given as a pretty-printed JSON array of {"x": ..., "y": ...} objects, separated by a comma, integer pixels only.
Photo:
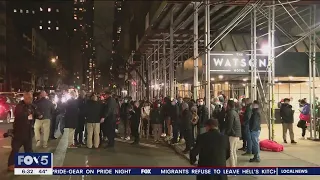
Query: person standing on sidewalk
[
  {"x": 46, "y": 108},
  {"x": 109, "y": 118},
  {"x": 255, "y": 128},
  {"x": 71, "y": 118},
  {"x": 213, "y": 154},
  {"x": 246, "y": 118},
  {"x": 135, "y": 114},
  {"x": 203, "y": 114},
  {"x": 181, "y": 136},
  {"x": 304, "y": 117},
  {"x": 243, "y": 128},
  {"x": 174, "y": 116},
  {"x": 186, "y": 126},
  {"x": 286, "y": 114},
  {"x": 78, "y": 136},
  {"x": 125, "y": 116},
  {"x": 156, "y": 121},
  {"x": 92, "y": 116},
  {"x": 233, "y": 130}
]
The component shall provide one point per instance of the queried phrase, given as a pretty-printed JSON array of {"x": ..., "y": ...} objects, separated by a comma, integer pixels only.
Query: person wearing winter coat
[
  {"x": 145, "y": 117},
  {"x": 243, "y": 128},
  {"x": 135, "y": 115},
  {"x": 156, "y": 121},
  {"x": 286, "y": 114},
  {"x": 246, "y": 119},
  {"x": 92, "y": 115},
  {"x": 125, "y": 116},
  {"x": 186, "y": 126},
  {"x": 255, "y": 128},
  {"x": 233, "y": 130},
  {"x": 203, "y": 114},
  {"x": 175, "y": 116},
  {"x": 71, "y": 118},
  {"x": 304, "y": 117}
]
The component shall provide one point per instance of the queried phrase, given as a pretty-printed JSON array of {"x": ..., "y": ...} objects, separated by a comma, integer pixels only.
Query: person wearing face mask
[
  {"x": 219, "y": 113},
  {"x": 186, "y": 126},
  {"x": 125, "y": 115},
  {"x": 156, "y": 121},
  {"x": 246, "y": 119},
  {"x": 203, "y": 114},
  {"x": 286, "y": 114},
  {"x": 255, "y": 128}
]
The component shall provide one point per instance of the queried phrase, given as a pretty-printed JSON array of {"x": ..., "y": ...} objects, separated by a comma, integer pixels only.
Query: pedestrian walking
[
  {"x": 203, "y": 114},
  {"x": 246, "y": 119},
  {"x": 213, "y": 154},
  {"x": 42, "y": 126},
  {"x": 125, "y": 116},
  {"x": 233, "y": 130},
  {"x": 304, "y": 117}
]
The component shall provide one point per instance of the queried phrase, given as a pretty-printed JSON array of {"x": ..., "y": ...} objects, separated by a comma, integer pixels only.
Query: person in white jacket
[{"x": 145, "y": 117}]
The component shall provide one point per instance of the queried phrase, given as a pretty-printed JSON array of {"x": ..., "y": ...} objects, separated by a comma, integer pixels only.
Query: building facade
[{"x": 83, "y": 15}]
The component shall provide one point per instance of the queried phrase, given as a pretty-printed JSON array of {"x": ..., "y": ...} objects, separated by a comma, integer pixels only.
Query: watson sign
[{"x": 235, "y": 63}]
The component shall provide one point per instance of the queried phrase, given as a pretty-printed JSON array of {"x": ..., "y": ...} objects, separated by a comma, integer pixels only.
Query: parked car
[{"x": 7, "y": 106}]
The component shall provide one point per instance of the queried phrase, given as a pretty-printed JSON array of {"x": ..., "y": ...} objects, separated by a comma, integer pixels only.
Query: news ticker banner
[
  {"x": 42, "y": 164},
  {"x": 168, "y": 171}
]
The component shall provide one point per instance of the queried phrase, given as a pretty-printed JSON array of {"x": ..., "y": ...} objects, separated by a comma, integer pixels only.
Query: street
[{"x": 124, "y": 154}]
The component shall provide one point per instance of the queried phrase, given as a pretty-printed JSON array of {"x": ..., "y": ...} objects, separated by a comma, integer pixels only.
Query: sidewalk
[{"x": 304, "y": 154}]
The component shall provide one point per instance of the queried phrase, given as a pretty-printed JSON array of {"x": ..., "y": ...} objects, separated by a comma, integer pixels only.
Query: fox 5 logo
[{"x": 34, "y": 159}]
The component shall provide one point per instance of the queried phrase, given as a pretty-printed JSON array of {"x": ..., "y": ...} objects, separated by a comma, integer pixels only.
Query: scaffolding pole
[
  {"x": 254, "y": 54},
  {"x": 164, "y": 66},
  {"x": 271, "y": 73},
  {"x": 310, "y": 70},
  {"x": 171, "y": 68},
  {"x": 314, "y": 64},
  {"x": 158, "y": 70},
  {"x": 195, "y": 50},
  {"x": 207, "y": 55}
]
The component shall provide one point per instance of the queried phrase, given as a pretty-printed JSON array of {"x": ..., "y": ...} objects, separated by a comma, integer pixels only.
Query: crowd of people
[{"x": 91, "y": 120}]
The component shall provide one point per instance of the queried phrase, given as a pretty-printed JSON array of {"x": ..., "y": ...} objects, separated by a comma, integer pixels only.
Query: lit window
[
  {"x": 80, "y": 9},
  {"x": 40, "y": 27},
  {"x": 74, "y": 29},
  {"x": 40, "y": 21},
  {"x": 49, "y": 28},
  {"x": 21, "y": 11},
  {"x": 75, "y": 8},
  {"x": 57, "y": 10},
  {"x": 41, "y": 9},
  {"x": 57, "y": 28},
  {"x": 119, "y": 8},
  {"x": 32, "y": 12},
  {"x": 75, "y": 18},
  {"x": 27, "y": 11},
  {"x": 49, "y": 9},
  {"x": 92, "y": 7}
]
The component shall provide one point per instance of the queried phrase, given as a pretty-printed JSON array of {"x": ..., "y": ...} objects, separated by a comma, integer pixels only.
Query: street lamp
[{"x": 53, "y": 60}]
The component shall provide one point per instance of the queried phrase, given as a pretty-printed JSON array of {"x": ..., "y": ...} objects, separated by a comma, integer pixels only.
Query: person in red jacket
[{"x": 243, "y": 109}]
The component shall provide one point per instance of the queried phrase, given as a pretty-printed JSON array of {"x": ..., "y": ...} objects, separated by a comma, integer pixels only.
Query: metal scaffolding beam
[
  {"x": 207, "y": 55},
  {"x": 195, "y": 50},
  {"x": 171, "y": 67}
]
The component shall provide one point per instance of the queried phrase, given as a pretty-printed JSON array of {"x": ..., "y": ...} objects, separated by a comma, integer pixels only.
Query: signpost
[{"x": 235, "y": 63}]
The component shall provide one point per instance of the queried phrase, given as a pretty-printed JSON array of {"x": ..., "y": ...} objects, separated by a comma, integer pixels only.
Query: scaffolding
[{"x": 159, "y": 62}]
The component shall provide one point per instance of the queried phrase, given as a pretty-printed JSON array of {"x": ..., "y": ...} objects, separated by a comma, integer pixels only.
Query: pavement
[
  {"x": 149, "y": 154},
  {"x": 303, "y": 154}
]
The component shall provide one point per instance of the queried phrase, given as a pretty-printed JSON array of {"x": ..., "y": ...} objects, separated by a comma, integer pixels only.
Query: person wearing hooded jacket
[
  {"x": 203, "y": 114},
  {"x": 186, "y": 126},
  {"x": 156, "y": 121},
  {"x": 286, "y": 114}
]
